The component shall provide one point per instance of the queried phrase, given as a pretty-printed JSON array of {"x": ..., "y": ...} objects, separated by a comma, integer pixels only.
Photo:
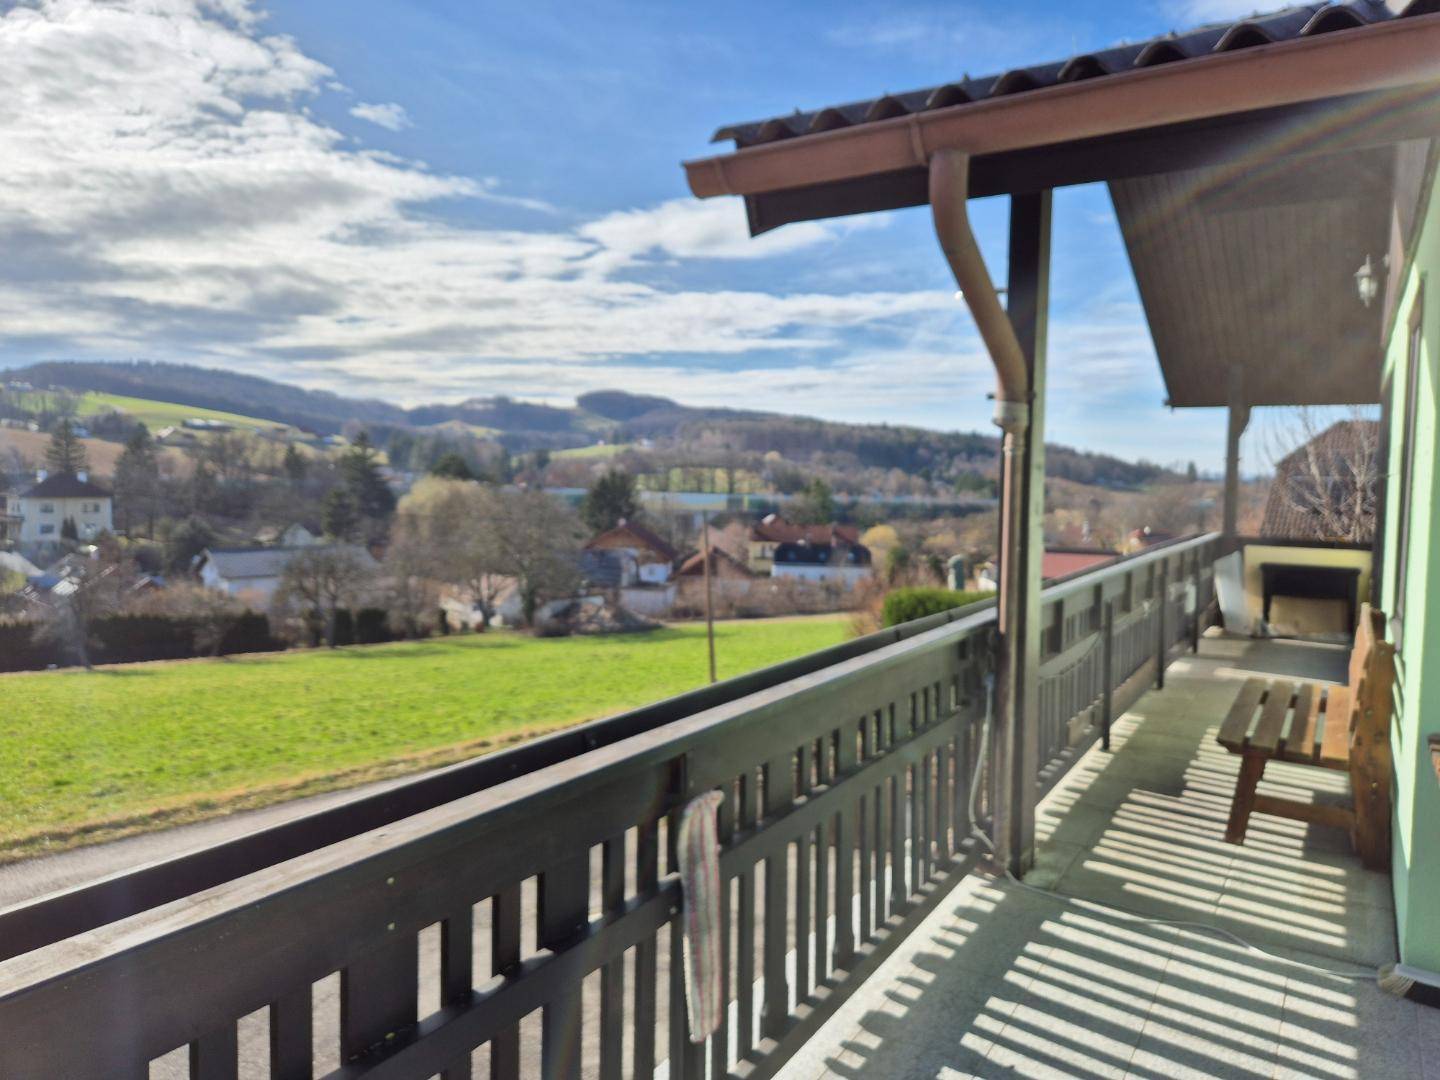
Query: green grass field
[
  {"x": 87, "y": 756},
  {"x": 608, "y": 450},
  {"x": 160, "y": 413}
]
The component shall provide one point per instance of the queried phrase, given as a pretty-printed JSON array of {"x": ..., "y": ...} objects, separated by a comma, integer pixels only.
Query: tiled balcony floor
[{"x": 1004, "y": 982}]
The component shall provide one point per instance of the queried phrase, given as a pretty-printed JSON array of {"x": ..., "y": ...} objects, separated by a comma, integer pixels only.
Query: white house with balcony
[{"x": 44, "y": 509}]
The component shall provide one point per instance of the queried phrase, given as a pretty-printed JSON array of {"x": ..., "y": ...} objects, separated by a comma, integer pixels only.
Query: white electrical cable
[{"x": 1132, "y": 916}]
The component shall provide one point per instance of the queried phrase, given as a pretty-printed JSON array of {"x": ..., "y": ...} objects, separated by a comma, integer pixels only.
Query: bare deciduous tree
[
  {"x": 1326, "y": 471},
  {"x": 537, "y": 540},
  {"x": 324, "y": 579},
  {"x": 443, "y": 530}
]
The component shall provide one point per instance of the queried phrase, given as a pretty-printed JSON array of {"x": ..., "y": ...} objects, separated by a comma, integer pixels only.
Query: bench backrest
[{"x": 1372, "y": 678}]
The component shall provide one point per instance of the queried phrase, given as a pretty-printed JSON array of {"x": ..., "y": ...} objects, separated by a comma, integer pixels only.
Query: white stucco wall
[{"x": 43, "y": 519}]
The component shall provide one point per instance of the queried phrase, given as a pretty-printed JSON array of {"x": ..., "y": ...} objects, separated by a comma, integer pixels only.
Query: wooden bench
[{"x": 1346, "y": 728}]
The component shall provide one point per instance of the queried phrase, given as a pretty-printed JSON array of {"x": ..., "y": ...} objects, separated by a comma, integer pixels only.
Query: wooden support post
[
  {"x": 1238, "y": 420},
  {"x": 1107, "y": 667},
  {"x": 1028, "y": 303}
]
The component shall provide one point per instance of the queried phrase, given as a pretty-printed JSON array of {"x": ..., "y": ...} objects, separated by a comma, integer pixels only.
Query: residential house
[
  {"x": 772, "y": 530},
  {"x": 730, "y": 579},
  {"x": 654, "y": 558},
  {"x": 1058, "y": 562},
  {"x": 254, "y": 572},
  {"x": 10, "y": 519},
  {"x": 834, "y": 563},
  {"x": 630, "y": 576},
  {"x": 1325, "y": 488},
  {"x": 52, "y": 501}
]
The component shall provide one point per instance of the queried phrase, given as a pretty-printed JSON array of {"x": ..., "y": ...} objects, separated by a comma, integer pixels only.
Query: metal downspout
[{"x": 949, "y": 191}]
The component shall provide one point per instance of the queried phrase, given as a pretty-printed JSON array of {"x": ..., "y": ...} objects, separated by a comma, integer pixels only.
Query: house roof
[
  {"x": 633, "y": 534},
  {"x": 694, "y": 566},
  {"x": 65, "y": 486},
  {"x": 804, "y": 553},
  {"x": 1305, "y": 20},
  {"x": 238, "y": 564},
  {"x": 775, "y": 529},
  {"x": 1288, "y": 513},
  {"x": 1062, "y": 562},
  {"x": 1252, "y": 164}
]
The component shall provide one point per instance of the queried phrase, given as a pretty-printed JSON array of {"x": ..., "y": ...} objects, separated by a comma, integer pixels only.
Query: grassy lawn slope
[{"x": 87, "y": 756}]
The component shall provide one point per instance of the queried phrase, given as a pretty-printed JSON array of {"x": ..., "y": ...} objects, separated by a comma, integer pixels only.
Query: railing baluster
[
  {"x": 504, "y": 959},
  {"x": 647, "y": 873},
  {"x": 686, "y": 1059},
  {"x": 864, "y": 811},
  {"x": 612, "y": 975},
  {"x": 745, "y": 927},
  {"x": 720, "y": 1041},
  {"x": 216, "y": 1056},
  {"x": 802, "y": 884},
  {"x": 291, "y": 1036},
  {"x": 457, "y": 974},
  {"x": 563, "y": 911},
  {"x": 379, "y": 995},
  {"x": 897, "y": 802},
  {"x": 779, "y": 794},
  {"x": 825, "y": 774},
  {"x": 846, "y": 749}
]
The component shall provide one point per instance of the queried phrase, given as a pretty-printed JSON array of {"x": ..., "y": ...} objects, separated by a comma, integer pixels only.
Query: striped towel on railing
[{"x": 698, "y": 851}]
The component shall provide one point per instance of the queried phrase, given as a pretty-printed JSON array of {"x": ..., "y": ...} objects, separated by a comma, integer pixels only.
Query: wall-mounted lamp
[{"x": 1366, "y": 283}]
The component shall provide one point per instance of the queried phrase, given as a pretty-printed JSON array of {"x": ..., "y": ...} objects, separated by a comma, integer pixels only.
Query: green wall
[{"x": 1417, "y": 795}]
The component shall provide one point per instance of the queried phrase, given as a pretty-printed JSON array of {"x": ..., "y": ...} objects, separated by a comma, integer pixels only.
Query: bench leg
[{"x": 1252, "y": 768}]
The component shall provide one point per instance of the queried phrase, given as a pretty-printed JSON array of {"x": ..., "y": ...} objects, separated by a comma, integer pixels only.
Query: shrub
[
  {"x": 372, "y": 626},
  {"x": 907, "y": 605},
  {"x": 344, "y": 627}
]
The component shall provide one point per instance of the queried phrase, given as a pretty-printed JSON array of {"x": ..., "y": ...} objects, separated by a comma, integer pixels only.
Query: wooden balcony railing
[{"x": 546, "y": 903}]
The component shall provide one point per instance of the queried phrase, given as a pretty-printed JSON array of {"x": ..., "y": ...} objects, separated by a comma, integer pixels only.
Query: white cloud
[
  {"x": 169, "y": 194},
  {"x": 1193, "y": 12},
  {"x": 390, "y": 116}
]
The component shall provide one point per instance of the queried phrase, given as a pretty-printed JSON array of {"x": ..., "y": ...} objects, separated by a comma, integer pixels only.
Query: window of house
[
  {"x": 47, "y": 530},
  {"x": 47, "y": 508},
  {"x": 1407, "y": 461}
]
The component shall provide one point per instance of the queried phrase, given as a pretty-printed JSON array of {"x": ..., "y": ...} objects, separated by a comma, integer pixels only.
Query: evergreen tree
[
  {"x": 137, "y": 480},
  {"x": 360, "y": 475},
  {"x": 816, "y": 506},
  {"x": 340, "y": 514},
  {"x": 295, "y": 465},
  {"x": 452, "y": 466},
  {"x": 613, "y": 498},
  {"x": 66, "y": 453}
]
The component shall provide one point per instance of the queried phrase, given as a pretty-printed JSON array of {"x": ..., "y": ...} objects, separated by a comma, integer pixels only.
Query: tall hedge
[
  {"x": 907, "y": 605},
  {"x": 128, "y": 639}
]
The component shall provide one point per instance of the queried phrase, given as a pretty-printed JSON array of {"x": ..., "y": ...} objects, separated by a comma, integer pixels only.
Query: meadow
[{"x": 89, "y": 756}]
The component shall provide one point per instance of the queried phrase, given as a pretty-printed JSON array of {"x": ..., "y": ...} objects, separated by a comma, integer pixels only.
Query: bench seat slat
[
  {"x": 1303, "y": 745},
  {"x": 1272, "y": 717},
  {"x": 1335, "y": 742},
  {"x": 1237, "y": 721}
]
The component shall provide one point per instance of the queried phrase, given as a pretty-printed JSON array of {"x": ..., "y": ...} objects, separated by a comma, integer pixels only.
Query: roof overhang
[
  {"x": 1249, "y": 186},
  {"x": 1358, "y": 87}
]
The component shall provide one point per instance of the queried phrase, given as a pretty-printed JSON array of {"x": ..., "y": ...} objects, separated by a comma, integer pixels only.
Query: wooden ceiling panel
[{"x": 1256, "y": 269}]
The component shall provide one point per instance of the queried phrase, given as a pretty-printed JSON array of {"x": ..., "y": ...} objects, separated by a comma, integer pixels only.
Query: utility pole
[{"x": 707, "y": 553}]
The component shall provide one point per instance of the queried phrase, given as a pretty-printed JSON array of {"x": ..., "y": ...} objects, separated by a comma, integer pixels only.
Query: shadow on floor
[{"x": 1002, "y": 981}]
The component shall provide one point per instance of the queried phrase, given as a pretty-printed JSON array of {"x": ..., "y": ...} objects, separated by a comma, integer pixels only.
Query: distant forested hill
[{"x": 614, "y": 415}]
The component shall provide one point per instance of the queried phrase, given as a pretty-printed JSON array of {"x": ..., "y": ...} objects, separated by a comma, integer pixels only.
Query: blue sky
[{"x": 434, "y": 200}]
